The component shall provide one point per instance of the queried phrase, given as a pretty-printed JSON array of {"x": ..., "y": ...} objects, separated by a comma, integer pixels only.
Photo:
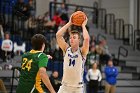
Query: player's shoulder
[
  {"x": 25, "y": 54},
  {"x": 68, "y": 49},
  {"x": 42, "y": 55}
]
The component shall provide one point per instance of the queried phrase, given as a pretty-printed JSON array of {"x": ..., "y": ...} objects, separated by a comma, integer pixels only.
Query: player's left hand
[{"x": 49, "y": 56}]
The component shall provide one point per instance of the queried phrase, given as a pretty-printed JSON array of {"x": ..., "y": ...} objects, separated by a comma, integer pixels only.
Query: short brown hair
[
  {"x": 75, "y": 32},
  {"x": 37, "y": 41}
]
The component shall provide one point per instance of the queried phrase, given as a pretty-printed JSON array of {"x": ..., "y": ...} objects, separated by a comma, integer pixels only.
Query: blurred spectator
[
  {"x": 1, "y": 34},
  {"x": 53, "y": 44},
  {"x": 48, "y": 48},
  {"x": 93, "y": 77},
  {"x": 56, "y": 83},
  {"x": 93, "y": 40},
  {"x": 91, "y": 57},
  {"x": 21, "y": 10},
  {"x": 32, "y": 24},
  {"x": 47, "y": 16},
  {"x": 63, "y": 12},
  {"x": 61, "y": 24},
  {"x": 2, "y": 87},
  {"x": 31, "y": 8},
  {"x": 78, "y": 8},
  {"x": 57, "y": 20},
  {"x": 40, "y": 24},
  {"x": 111, "y": 74},
  {"x": 19, "y": 49},
  {"x": 57, "y": 55},
  {"x": 102, "y": 50},
  {"x": 7, "y": 48},
  {"x": 47, "y": 21}
]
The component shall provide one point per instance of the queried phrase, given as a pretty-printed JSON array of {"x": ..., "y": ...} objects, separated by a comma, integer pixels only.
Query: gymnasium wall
[
  {"x": 119, "y": 7},
  {"x": 82, "y": 2},
  {"x": 42, "y": 6}
]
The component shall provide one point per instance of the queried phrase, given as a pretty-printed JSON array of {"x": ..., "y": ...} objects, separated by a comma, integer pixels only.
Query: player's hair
[
  {"x": 37, "y": 41},
  {"x": 75, "y": 32}
]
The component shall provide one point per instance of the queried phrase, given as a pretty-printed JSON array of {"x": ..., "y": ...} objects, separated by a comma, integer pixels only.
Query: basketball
[{"x": 78, "y": 18}]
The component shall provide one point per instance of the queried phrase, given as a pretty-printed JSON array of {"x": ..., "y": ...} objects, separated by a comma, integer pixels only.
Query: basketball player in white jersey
[{"x": 74, "y": 58}]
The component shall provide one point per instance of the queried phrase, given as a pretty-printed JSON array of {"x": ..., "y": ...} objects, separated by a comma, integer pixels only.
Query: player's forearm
[
  {"x": 63, "y": 30},
  {"x": 47, "y": 82},
  {"x": 85, "y": 34}
]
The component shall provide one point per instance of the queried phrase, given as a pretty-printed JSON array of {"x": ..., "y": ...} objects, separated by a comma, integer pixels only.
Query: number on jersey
[
  {"x": 26, "y": 64},
  {"x": 71, "y": 62}
]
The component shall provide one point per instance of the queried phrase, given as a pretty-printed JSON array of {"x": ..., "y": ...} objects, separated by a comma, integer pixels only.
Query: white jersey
[{"x": 73, "y": 68}]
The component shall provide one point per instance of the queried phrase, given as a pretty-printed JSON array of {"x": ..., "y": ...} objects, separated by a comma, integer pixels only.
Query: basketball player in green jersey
[{"x": 33, "y": 69}]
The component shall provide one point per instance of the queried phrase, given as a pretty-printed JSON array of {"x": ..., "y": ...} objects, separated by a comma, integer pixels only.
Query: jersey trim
[
  {"x": 38, "y": 83},
  {"x": 83, "y": 58},
  {"x": 39, "y": 55},
  {"x": 33, "y": 89},
  {"x": 64, "y": 53},
  {"x": 34, "y": 51}
]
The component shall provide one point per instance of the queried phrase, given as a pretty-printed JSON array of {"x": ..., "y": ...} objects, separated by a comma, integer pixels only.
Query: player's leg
[
  {"x": 64, "y": 89},
  {"x": 60, "y": 90},
  {"x": 79, "y": 90}
]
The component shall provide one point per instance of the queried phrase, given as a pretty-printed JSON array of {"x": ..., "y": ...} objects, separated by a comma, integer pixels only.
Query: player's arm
[
  {"x": 45, "y": 79},
  {"x": 59, "y": 36},
  {"x": 85, "y": 47}
]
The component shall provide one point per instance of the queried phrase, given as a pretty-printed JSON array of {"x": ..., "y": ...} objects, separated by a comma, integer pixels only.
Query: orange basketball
[{"x": 78, "y": 18}]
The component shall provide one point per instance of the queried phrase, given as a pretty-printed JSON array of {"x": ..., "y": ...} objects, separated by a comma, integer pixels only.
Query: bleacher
[{"x": 124, "y": 48}]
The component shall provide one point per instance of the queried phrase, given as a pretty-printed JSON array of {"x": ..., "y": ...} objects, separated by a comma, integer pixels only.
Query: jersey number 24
[{"x": 26, "y": 64}]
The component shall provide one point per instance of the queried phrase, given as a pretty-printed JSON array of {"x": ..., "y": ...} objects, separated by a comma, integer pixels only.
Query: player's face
[{"x": 74, "y": 40}]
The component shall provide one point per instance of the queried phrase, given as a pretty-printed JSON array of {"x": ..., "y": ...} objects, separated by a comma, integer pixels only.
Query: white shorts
[{"x": 67, "y": 89}]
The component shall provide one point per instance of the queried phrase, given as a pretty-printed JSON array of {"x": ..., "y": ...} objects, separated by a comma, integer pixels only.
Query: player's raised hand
[
  {"x": 85, "y": 22},
  {"x": 70, "y": 20},
  {"x": 49, "y": 56}
]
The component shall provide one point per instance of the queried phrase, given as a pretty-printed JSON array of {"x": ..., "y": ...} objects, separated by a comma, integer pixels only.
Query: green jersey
[{"x": 30, "y": 81}]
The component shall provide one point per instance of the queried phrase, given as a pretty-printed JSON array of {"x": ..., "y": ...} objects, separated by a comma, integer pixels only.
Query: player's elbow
[
  {"x": 43, "y": 76},
  {"x": 42, "y": 73},
  {"x": 87, "y": 39},
  {"x": 57, "y": 35}
]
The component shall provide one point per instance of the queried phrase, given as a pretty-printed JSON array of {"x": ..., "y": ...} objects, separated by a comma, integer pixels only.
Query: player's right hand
[
  {"x": 85, "y": 22},
  {"x": 70, "y": 20}
]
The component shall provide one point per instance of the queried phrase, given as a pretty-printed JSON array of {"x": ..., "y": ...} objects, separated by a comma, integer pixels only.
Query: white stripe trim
[
  {"x": 33, "y": 89},
  {"x": 39, "y": 55}
]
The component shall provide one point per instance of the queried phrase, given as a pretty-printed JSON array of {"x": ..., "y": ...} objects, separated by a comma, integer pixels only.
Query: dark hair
[
  {"x": 37, "y": 41},
  {"x": 75, "y": 32}
]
